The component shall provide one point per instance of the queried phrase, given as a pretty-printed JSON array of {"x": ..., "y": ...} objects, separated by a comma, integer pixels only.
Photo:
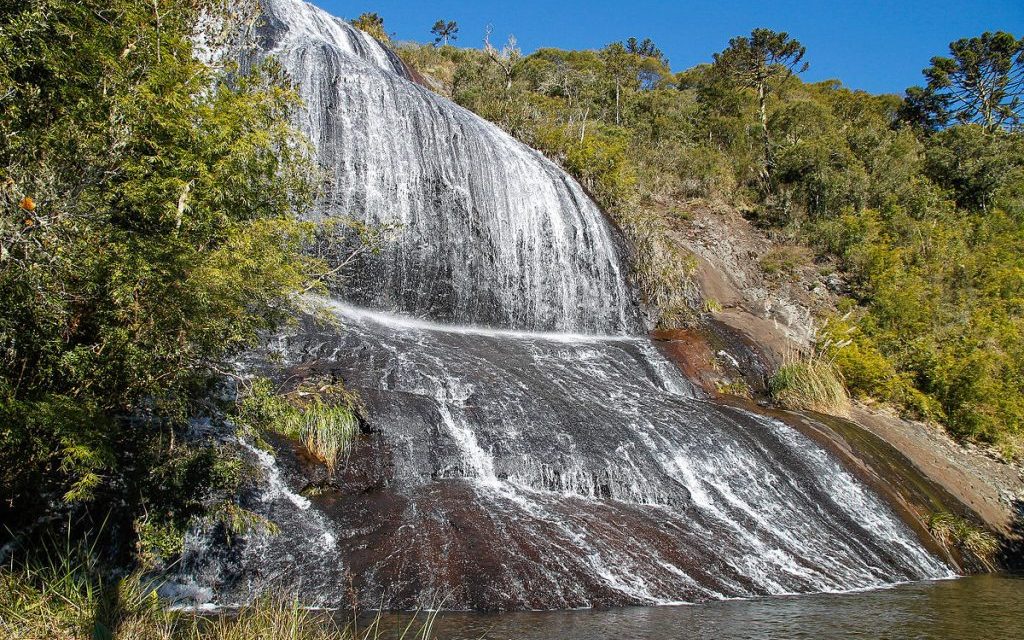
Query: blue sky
[{"x": 877, "y": 46}]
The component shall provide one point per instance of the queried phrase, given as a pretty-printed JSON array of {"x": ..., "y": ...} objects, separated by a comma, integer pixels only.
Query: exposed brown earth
[{"x": 991, "y": 488}]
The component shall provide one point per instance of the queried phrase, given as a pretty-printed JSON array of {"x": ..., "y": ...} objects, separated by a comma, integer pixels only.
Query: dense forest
[{"x": 918, "y": 200}]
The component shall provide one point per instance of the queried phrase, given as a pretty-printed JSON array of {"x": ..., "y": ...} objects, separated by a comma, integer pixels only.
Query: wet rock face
[
  {"x": 504, "y": 470},
  {"x": 489, "y": 231},
  {"x": 507, "y": 466}
]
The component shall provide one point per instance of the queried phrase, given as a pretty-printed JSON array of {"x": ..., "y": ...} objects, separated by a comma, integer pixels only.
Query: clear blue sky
[{"x": 873, "y": 45}]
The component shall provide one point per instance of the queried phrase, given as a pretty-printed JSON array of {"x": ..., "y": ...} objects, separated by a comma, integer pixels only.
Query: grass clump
[
  {"x": 810, "y": 382},
  {"x": 324, "y": 417},
  {"x": 328, "y": 431},
  {"x": 738, "y": 387},
  {"x": 965, "y": 536},
  {"x": 784, "y": 262},
  {"x": 63, "y": 595}
]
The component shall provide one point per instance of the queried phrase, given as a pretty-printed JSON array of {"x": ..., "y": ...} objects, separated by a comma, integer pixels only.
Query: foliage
[
  {"x": 973, "y": 165},
  {"x": 323, "y": 416},
  {"x": 967, "y": 537},
  {"x": 868, "y": 374},
  {"x": 762, "y": 62},
  {"x": 147, "y": 234},
  {"x": 62, "y": 595},
  {"x": 982, "y": 82},
  {"x": 373, "y": 25},
  {"x": 445, "y": 32},
  {"x": 662, "y": 272},
  {"x": 810, "y": 382},
  {"x": 738, "y": 388}
]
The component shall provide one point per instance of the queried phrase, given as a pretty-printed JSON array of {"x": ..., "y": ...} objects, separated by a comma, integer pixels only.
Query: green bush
[
  {"x": 868, "y": 374},
  {"x": 148, "y": 233}
]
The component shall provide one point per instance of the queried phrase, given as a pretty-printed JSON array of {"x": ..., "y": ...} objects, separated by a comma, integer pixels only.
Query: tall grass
[
  {"x": 64, "y": 596},
  {"x": 810, "y": 382},
  {"x": 324, "y": 417},
  {"x": 328, "y": 431},
  {"x": 970, "y": 539}
]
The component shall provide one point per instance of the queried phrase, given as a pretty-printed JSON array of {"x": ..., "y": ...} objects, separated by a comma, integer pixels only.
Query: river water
[{"x": 975, "y": 608}]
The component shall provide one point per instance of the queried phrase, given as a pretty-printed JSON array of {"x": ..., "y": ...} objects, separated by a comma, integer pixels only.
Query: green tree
[
  {"x": 629, "y": 68},
  {"x": 147, "y": 234},
  {"x": 762, "y": 62},
  {"x": 973, "y": 163},
  {"x": 372, "y": 24},
  {"x": 445, "y": 32},
  {"x": 645, "y": 49},
  {"x": 982, "y": 82}
]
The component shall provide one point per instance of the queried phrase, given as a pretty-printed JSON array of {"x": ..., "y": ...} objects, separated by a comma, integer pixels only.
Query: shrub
[
  {"x": 813, "y": 383},
  {"x": 148, "y": 228},
  {"x": 868, "y": 374},
  {"x": 601, "y": 163},
  {"x": 372, "y": 24}
]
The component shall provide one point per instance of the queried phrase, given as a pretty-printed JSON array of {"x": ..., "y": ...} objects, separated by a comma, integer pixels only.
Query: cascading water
[
  {"x": 526, "y": 449},
  {"x": 489, "y": 230}
]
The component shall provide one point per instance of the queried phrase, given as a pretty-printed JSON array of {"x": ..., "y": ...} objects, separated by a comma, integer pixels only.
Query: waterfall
[
  {"x": 490, "y": 231},
  {"x": 527, "y": 447}
]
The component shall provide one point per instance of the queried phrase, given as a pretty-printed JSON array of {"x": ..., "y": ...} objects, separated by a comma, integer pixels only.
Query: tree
[
  {"x": 652, "y": 61},
  {"x": 762, "y": 62},
  {"x": 981, "y": 83},
  {"x": 631, "y": 67},
  {"x": 973, "y": 163},
  {"x": 147, "y": 233},
  {"x": 445, "y": 31},
  {"x": 923, "y": 109},
  {"x": 646, "y": 49},
  {"x": 373, "y": 25},
  {"x": 617, "y": 65},
  {"x": 508, "y": 59}
]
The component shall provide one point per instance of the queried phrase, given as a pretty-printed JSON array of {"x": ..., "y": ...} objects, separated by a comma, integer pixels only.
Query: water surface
[{"x": 976, "y": 608}]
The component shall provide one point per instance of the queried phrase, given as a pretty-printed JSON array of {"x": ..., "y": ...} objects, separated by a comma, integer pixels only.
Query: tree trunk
[{"x": 762, "y": 99}]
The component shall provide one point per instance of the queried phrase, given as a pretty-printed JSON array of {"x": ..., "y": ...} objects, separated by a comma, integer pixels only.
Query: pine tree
[
  {"x": 762, "y": 62},
  {"x": 445, "y": 32},
  {"x": 982, "y": 82}
]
